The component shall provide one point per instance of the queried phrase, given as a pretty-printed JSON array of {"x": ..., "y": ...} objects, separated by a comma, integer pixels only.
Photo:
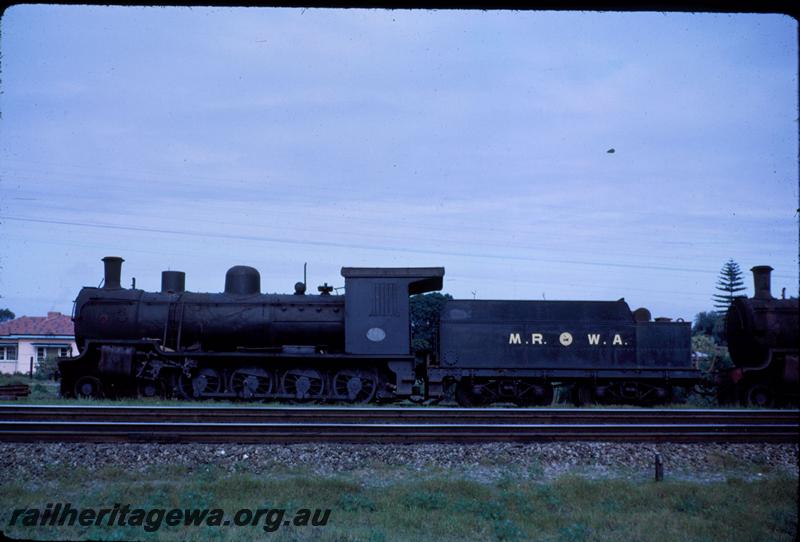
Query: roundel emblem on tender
[
  {"x": 376, "y": 334},
  {"x": 565, "y": 338}
]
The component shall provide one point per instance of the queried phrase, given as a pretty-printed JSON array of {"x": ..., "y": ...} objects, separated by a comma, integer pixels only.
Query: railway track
[{"x": 214, "y": 424}]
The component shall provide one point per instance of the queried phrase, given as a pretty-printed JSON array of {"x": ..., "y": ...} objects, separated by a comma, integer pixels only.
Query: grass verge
[{"x": 445, "y": 508}]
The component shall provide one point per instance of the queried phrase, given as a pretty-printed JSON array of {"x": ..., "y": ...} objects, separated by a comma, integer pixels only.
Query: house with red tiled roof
[{"x": 27, "y": 340}]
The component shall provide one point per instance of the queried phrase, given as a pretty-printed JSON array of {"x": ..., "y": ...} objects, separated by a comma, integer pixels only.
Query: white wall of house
[{"x": 29, "y": 347}]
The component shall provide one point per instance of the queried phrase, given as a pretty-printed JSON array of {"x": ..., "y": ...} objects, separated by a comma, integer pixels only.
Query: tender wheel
[
  {"x": 355, "y": 385},
  {"x": 249, "y": 382},
  {"x": 88, "y": 387},
  {"x": 582, "y": 395},
  {"x": 759, "y": 395},
  {"x": 206, "y": 381},
  {"x": 303, "y": 384},
  {"x": 662, "y": 396},
  {"x": 466, "y": 396},
  {"x": 538, "y": 394}
]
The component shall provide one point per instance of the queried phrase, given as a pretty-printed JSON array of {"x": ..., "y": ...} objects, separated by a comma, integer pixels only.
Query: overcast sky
[{"x": 197, "y": 139}]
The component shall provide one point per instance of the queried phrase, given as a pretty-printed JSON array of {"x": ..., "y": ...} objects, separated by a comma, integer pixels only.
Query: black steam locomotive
[
  {"x": 356, "y": 347},
  {"x": 242, "y": 343},
  {"x": 763, "y": 336}
]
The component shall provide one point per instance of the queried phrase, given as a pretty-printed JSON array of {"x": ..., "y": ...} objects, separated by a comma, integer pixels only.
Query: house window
[
  {"x": 51, "y": 352},
  {"x": 8, "y": 352}
]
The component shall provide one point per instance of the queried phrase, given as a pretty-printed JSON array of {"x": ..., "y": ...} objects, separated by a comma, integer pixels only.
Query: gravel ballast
[{"x": 382, "y": 463}]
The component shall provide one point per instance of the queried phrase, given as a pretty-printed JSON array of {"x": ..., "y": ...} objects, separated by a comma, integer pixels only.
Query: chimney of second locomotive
[
  {"x": 113, "y": 271},
  {"x": 173, "y": 282},
  {"x": 762, "y": 282}
]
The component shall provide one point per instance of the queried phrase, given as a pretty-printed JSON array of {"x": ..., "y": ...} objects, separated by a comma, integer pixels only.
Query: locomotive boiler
[
  {"x": 239, "y": 317},
  {"x": 763, "y": 336},
  {"x": 242, "y": 343}
]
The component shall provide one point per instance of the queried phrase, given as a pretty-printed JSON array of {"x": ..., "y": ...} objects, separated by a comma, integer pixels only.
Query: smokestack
[
  {"x": 113, "y": 265},
  {"x": 173, "y": 282},
  {"x": 761, "y": 282}
]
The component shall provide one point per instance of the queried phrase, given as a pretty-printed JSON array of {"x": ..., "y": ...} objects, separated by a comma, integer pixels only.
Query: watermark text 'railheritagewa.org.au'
[{"x": 153, "y": 519}]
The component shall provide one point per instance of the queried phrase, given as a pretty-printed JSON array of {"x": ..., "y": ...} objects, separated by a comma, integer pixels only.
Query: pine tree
[{"x": 729, "y": 283}]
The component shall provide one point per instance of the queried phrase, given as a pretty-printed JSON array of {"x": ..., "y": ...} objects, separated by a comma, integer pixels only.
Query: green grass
[
  {"x": 42, "y": 391},
  {"x": 443, "y": 508}
]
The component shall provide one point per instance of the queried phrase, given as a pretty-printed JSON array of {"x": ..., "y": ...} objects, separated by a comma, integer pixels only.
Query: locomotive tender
[
  {"x": 517, "y": 350},
  {"x": 356, "y": 347}
]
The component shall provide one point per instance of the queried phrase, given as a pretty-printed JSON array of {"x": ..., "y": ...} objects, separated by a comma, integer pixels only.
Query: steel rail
[
  {"x": 411, "y": 414},
  {"x": 79, "y": 423},
  {"x": 388, "y": 433}
]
